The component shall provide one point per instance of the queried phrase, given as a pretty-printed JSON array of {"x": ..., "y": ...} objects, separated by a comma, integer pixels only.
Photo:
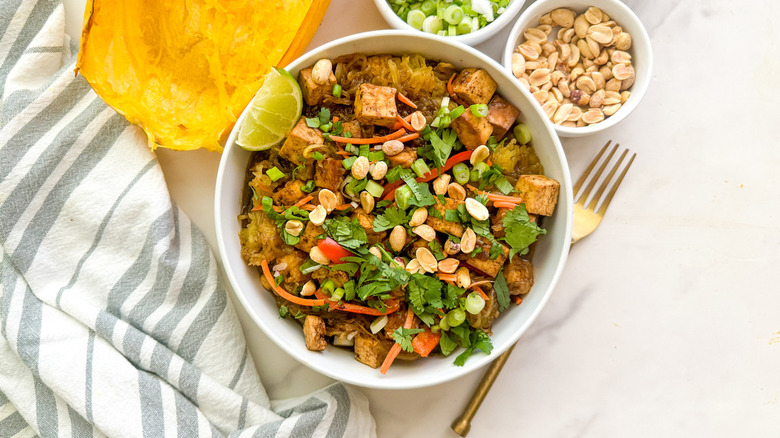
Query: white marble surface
[{"x": 666, "y": 321}]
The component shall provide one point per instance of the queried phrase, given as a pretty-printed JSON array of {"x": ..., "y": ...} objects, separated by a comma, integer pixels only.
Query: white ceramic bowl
[
  {"x": 339, "y": 363},
  {"x": 641, "y": 52},
  {"x": 472, "y": 38}
]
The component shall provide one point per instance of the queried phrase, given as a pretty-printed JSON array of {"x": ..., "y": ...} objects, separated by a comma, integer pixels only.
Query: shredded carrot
[
  {"x": 343, "y": 206},
  {"x": 505, "y": 204},
  {"x": 278, "y": 209},
  {"x": 489, "y": 162},
  {"x": 516, "y": 299},
  {"x": 450, "y": 90},
  {"x": 446, "y": 277},
  {"x": 283, "y": 293},
  {"x": 481, "y": 293},
  {"x": 257, "y": 208},
  {"x": 304, "y": 201},
  {"x": 391, "y": 306},
  {"x": 408, "y": 137},
  {"x": 343, "y": 153},
  {"x": 405, "y": 124},
  {"x": 450, "y": 282},
  {"x": 398, "y": 125},
  {"x": 495, "y": 196},
  {"x": 396, "y": 348},
  {"x": 374, "y": 140},
  {"x": 406, "y": 101},
  {"x": 308, "y": 207},
  {"x": 335, "y": 119}
]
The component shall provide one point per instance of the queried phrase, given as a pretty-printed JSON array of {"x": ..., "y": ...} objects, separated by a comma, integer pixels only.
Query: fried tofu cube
[
  {"x": 483, "y": 262},
  {"x": 375, "y": 105},
  {"x": 297, "y": 140},
  {"x": 370, "y": 350},
  {"x": 473, "y": 85},
  {"x": 502, "y": 115},
  {"x": 289, "y": 194},
  {"x": 404, "y": 159},
  {"x": 353, "y": 128},
  {"x": 313, "y": 93},
  {"x": 314, "y": 333},
  {"x": 367, "y": 221},
  {"x": 472, "y": 131},
  {"x": 519, "y": 276},
  {"x": 292, "y": 272},
  {"x": 442, "y": 225},
  {"x": 329, "y": 174},
  {"x": 309, "y": 237},
  {"x": 539, "y": 192}
]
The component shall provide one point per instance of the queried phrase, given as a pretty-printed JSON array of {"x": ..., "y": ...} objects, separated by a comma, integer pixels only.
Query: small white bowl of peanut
[{"x": 587, "y": 63}]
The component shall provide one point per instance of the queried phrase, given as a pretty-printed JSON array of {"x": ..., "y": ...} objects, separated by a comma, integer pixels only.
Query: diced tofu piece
[
  {"x": 329, "y": 174},
  {"x": 484, "y": 319},
  {"x": 353, "y": 128},
  {"x": 312, "y": 91},
  {"x": 297, "y": 140},
  {"x": 314, "y": 333},
  {"x": 443, "y": 226},
  {"x": 367, "y": 221},
  {"x": 473, "y": 85},
  {"x": 519, "y": 276},
  {"x": 404, "y": 159},
  {"x": 289, "y": 194},
  {"x": 482, "y": 261},
  {"x": 292, "y": 272},
  {"x": 309, "y": 237},
  {"x": 472, "y": 131},
  {"x": 370, "y": 350},
  {"x": 539, "y": 192},
  {"x": 502, "y": 115},
  {"x": 375, "y": 105}
]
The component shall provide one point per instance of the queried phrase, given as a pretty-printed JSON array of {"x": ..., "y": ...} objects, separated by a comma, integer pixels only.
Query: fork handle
[{"x": 462, "y": 424}]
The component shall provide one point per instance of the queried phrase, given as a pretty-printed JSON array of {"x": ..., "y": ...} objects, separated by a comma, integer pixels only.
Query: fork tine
[
  {"x": 592, "y": 164},
  {"x": 605, "y": 184},
  {"x": 596, "y": 177},
  {"x": 612, "y": 191}
]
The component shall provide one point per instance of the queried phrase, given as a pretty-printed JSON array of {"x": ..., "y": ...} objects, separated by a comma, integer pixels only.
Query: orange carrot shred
[
  {"x": 343, "y": 206},
  {"x": 304, "y": 201},
  {"x": 405, "y": 124},
  {"x": 343, "y": 153},
  {"x": 516, "y": 299},
  {"x": 335, "y": 119},
  {"x": 308, "y": 207},
  {"x": 406, "y": 101},
  {"x": 283, "y": 293},
  {"x": 446, "y": 277},
  {"x": 396, "y": 348},
  {"x": 481, "y": 293},
  {"x": 505, "y": 204},
  {"x": 374, "y": 140},
  {"x": 408, "y": 137},
  {"x": 450, "y": 90}
]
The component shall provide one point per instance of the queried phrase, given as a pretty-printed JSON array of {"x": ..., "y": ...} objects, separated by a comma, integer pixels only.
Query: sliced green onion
[
  {"x": 453, "y": 14},
  {"x": 432, "y": 24},
  {"x": 274, "y": 173},
  {"x": 522, "y": 133},
  {"x": 456, "y": 317},
  {"x": 308, "y": 187},
  {"x": 403, "y": 195},
  {"x": 415, "y": 19},
  {"x": 428, "y": 7},
  {"x": 420, "y": 168},
  {"x": 443, "y": 324},
  {"x": 328, "y": 286},
  {"x": 348, "y": 162},
  {"x": 474, "y": 303},
  {"x": 337, "y": 294},
  {"x": 378, "y": 324},
  {"x": 454, "y": 114},
  {"x": 310, "y": 269},
  {"x": 318, "y": 156},
  {"x": 452, "y": 30},
  {"x": 374, "y": 189},
  {"x": 479, "y": 109},
  {"x": 461, "y": 173},
  {"x": 337, "y": 90},
  {"x": 376, "y": 156},
  {"x": 464, "y": 26}
]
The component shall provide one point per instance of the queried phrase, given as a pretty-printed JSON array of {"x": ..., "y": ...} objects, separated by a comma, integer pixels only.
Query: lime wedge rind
[{"x": 272, "y": 113}]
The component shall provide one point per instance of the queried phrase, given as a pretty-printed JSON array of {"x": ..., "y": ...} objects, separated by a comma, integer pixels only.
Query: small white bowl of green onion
[{"x": 467, "y": 21}]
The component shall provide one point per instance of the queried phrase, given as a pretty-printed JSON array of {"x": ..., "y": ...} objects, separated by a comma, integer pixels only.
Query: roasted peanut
[
  {"x": 427, "y": 260},
  {"x": 360, "y": 167},
  {"x": 327, "y": 200},
  {"x": 321, "y": 71},
  {"x": 468, "y": 241},
  {"x": 418, "y": 217},
  {"x": 397, "y": 238},
  {"x": 317, "y": 216},
  {"x": 366, "y": 201},
  {"x": 449, "y": 265},
  {"x": 294, "y": 227},
  {"x": 440, "y": 184},
  {"x": 392, "y": 148},
  {"x": 379, "y": 170}
]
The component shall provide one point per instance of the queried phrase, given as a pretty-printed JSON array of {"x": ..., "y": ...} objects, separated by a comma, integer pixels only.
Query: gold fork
[{"x": 586, "y": 219}]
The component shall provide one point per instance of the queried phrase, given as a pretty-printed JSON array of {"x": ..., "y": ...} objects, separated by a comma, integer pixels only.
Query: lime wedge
[{"x": 273, "y": 112}]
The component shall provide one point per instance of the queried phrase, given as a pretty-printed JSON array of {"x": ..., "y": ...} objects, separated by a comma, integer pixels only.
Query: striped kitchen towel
[{"x": 113, "y": 318}]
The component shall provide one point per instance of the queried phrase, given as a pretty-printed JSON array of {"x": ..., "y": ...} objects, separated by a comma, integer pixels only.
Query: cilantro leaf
[
  {"x": 502, "y": 291},
  {"x": 403, "y": 337},
  {"x": 348, "y": 233},
  {"x": 446, "y": 344},
  {"x": 520, "y": 231},
  {"x": 422, "y": 194},
  {"x": 424, "y": 293},
  {"x": 389, "y": 219},
  {"x": 479, "y": 341},
  {"x": 283, "y": 311},
  {"x": 451, "y": 294}
]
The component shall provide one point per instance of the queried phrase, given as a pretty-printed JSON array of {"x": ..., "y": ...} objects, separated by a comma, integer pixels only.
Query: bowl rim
[
  {"x": 472, "y": 38},
  {"x": 638, "y": 89},
  {"x": 474, "y": 363}
]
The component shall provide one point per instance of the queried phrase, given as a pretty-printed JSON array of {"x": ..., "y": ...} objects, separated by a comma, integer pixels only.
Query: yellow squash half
[{"x": 185, "y": 69}]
